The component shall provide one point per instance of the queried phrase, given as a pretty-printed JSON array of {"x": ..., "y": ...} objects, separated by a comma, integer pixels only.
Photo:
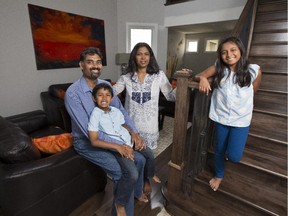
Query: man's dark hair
[{"x": 90, "y": 51}]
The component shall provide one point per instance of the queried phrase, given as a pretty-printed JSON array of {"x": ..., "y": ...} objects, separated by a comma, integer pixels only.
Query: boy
[{"x": 110, "y": 120}]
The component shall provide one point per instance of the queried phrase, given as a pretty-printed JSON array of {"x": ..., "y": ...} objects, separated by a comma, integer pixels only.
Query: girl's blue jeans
[
  {"x": 107, "y": 161},
  {"x": 229, "y": 141}
]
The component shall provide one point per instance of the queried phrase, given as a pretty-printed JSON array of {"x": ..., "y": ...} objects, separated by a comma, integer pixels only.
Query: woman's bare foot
[
  {"x": 215, "y": 182},
  {"x": 143, "y": 198},
  {"x": 147, "y": 187},
  {"x": 156, "y": 179},
  {"x": 120, "y": 209}
]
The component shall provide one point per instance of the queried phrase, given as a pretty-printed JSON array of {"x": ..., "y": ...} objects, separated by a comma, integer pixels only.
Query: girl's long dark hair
[
  {"x": 242, "y": 75},
  {"x": 152, "y": 67}
]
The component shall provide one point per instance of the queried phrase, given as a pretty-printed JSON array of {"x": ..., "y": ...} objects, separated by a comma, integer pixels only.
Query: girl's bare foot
[
  {"x": 215, "y": 182},
  {"x": 120, "y": 209},
  {"x": 156, "y": 179},
  {"x": 143, "y": 198}
]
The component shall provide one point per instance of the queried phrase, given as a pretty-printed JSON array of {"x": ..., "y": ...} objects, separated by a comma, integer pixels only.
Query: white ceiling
[{"x": 223, "y": 26}]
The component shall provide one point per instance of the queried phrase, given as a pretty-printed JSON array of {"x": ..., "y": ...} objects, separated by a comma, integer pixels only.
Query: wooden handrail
[{"x": 245, "y": 25}]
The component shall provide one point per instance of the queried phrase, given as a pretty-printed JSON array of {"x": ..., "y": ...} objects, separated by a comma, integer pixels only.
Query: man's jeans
[{"x": 107, "y": 161}]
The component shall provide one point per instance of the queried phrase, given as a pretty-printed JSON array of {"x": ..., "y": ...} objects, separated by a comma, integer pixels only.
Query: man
[{"x": 79, "y": 104}]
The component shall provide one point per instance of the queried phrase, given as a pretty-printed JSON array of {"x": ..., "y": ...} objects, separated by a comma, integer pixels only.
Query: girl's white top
[{"x": 232, "y": 105}]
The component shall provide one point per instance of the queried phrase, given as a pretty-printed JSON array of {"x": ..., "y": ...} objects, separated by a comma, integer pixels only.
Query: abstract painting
[{"x": 60, "y": 37}]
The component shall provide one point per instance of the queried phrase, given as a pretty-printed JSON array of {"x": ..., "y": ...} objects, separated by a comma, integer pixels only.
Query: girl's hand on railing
[{"x": 204, "y": 85}]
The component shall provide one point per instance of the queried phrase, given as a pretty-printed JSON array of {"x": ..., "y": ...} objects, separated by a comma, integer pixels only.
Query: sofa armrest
[
  {"x": 30, "y": 121},
  {"x": 55, "y": 110},
  {"x": 49, "y": 180}
]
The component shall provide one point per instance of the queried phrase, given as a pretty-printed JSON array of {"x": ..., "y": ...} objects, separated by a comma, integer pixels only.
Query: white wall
[
  {"x": 143, "y": 11},
  {"x": 20, "y": 81},
  {"x": 154, "y": 11},
  {"x": 203, "y": 11}
]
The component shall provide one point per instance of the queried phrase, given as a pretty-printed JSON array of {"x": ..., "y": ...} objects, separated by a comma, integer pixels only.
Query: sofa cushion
[
  {"x": 59, "y": 90},
  {"x": 15, "y": 144},
  {"x": 53, "y": 143}
]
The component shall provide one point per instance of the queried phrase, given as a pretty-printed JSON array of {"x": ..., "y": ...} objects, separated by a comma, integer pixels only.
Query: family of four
[{"x": 120, "y": 140}]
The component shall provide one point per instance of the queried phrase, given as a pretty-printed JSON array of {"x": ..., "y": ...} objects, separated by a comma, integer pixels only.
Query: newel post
[{"x": 176, "y": 163}]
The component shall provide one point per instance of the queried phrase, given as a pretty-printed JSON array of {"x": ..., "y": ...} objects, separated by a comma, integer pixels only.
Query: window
[
  {"x": 211, "y": 45},
  {"x": 192, "y": 46},
  {"x": 141, "y": 32}
]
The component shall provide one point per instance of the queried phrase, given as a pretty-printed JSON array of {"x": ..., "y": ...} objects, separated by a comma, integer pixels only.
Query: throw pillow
[{"x": 53, "y": 143}]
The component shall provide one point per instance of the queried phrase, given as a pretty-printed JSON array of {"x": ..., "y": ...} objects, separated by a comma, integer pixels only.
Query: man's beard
[{"x": 93, "y": 75}]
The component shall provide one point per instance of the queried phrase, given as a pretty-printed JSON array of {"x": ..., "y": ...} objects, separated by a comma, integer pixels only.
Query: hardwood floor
[{"x": 100, "y": 204}]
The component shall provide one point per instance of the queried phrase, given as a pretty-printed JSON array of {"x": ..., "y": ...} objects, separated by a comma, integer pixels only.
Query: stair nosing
[
  {"x": 270, "y": 113},
  {"x": 268, "y": 138},
  {"x": 239, "y": 198}
]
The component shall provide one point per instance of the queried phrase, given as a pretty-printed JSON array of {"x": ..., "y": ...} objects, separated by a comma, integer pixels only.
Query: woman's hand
[{"x": 137, "y": 140}]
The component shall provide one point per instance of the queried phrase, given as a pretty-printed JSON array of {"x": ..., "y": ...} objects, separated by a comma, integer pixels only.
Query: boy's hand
[{"x": 126, "y": 151}]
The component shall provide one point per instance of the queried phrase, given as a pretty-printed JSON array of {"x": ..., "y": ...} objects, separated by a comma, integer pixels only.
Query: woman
[{"x": 143, "y": 82}]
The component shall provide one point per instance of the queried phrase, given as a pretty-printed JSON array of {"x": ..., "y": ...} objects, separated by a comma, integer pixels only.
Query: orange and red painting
[{"x": 60, "y": 37}]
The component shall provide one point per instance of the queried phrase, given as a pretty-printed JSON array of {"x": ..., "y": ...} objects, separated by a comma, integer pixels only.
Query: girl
[{"x": 235, "y": 82}]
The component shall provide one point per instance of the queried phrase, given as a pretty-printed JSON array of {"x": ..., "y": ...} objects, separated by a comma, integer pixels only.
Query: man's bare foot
[
  {"x": 156, "y": 179},
  {"x": 120, "y": 209},
  {"x": 143, "y": 198},
  {"x": 215, "y": 182}
]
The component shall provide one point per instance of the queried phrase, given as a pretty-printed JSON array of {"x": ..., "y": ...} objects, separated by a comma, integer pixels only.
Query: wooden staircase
[{"x": 258, "y": 184}]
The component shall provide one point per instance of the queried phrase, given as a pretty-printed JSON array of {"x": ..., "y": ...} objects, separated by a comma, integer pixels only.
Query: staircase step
[
  {"x": 270, "y": 163},
  {"x": 269, "y": 50},
  {"x": 273, "y": 82},
  {"x": 262, "y": 188},
  {"x": 271, "y": 64},
  {"x": 269, "y": 125},
  {"x": 269, "y": 38},
  {"x": 268, "y": 146},
  {"x": 276, "y": 26},
  {"x": 272, "y": 6},
  {"x": 279, "y": 16},
  {"x": 205, "y": 201},
  {"x": 271, "y": 101}
]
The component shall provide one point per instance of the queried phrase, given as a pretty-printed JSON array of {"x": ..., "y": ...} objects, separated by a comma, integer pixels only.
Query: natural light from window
[
  {"x": 192, "y": 46},
  {"x": 140, "y": 35},
  {"x": 141, "y": 32},
  {"x": 211, "y": 45}
]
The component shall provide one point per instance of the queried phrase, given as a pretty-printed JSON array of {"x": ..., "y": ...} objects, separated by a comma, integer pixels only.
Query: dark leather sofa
[{"x": 35, "y": 184}]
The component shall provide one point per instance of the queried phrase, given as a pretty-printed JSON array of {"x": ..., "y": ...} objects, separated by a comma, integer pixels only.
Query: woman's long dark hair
[
  {"x": 242, "y": 75},
  {"x": 152, "y": 67}
]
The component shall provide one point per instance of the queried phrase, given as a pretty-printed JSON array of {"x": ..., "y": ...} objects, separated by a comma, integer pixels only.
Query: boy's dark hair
[
  {"x": 90, "y": 51},
  {"x": 104, "y": 86}
]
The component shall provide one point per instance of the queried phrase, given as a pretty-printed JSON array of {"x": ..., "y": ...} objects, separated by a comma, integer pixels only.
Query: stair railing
[{"x": 189, "y": 150}]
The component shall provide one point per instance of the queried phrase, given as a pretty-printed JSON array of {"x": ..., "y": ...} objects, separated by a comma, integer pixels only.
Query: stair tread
[
  {"x": 266, "y": 161},
  {"x": 204, "y": 201},
  {"x": 255, "y": 186}
]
